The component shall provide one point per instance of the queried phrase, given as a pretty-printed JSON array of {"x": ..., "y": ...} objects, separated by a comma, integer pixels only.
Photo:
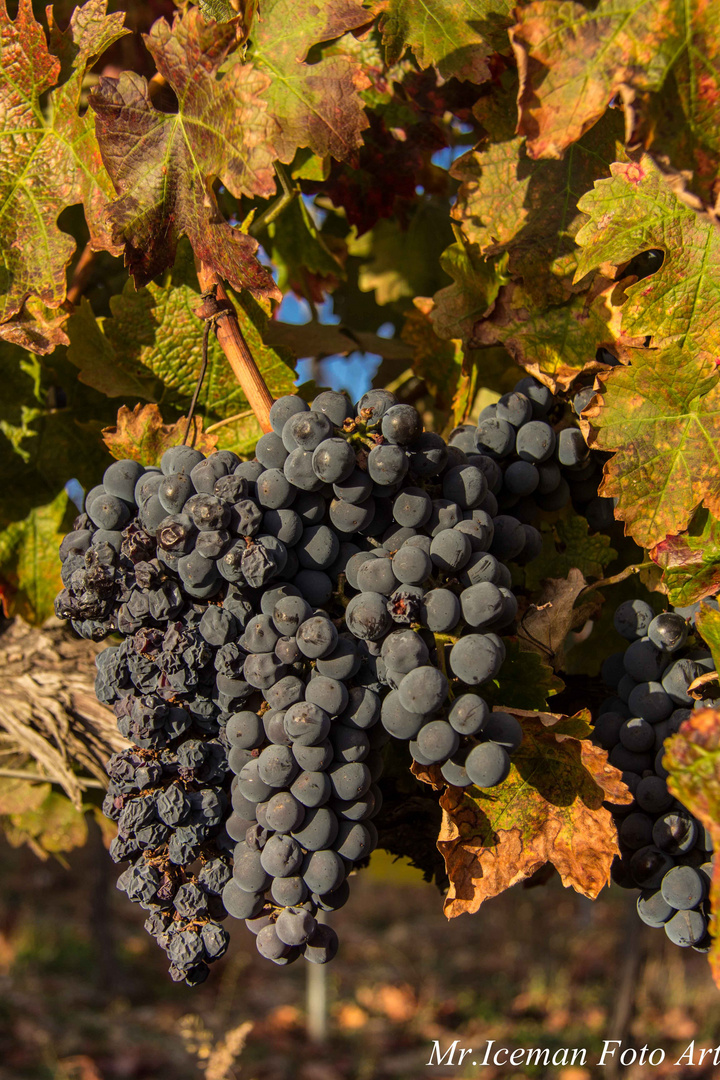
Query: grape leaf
[
  {"x": 476, "y": 283},
  {"x": 547, "y": 622},
  {"x": 508, "y": 202},
  {"x": 691, "y": 562},
  {"x": 52, "y": 827},
  {"x": 152, "y": 346},
  {"x": 405, "y": 260},
  {"x": 316, "y": 105},
  {"x": 49, "y": 158},
  {"x": 549, "y": 809},
  {"x": 457, "y": 36},
  {"x": 573, "y": 59},
  {"x": 449, "y": 370},
  {"x": 300, "y": 252},
  {"x": 163, "y": 164},
  {"x": 555, "y": 344},
  {"x": 219, "y": 10},
  {"x": 692, "y": 757},
  {"x": 29, "y": 564},
  {"x": 707, "y": 623},
  {"x": 567, "y": 543},
  {"x": 140, "y": 434},
  {"x": 661, "y": 415},
  {"x": 525, "y": 680},
  {"x": 637, "y": 210}
]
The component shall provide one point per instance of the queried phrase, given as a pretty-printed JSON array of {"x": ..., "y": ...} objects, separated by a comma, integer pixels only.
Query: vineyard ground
[{"x": 84, "y": 994}]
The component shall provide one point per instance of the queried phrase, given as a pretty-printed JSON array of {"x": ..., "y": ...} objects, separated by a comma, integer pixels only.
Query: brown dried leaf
[
  {"x": 142, "y": 435},
  {"x": 549, "y": 809},
  {"x": 546, "y": 623}
]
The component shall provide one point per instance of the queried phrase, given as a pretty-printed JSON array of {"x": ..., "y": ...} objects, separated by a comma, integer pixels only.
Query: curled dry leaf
[
  {"x": 546, "y": 623},
  {"x": 549, "y": 810}
]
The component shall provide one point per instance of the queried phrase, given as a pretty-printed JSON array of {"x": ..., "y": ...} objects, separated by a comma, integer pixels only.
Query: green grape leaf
[
  {"x": 548, "y": 810},
  {"x": 153, "y": 343},
  {"x": 567, "y": 543},
  {"x": 555, "y": 344},
  {"x": 507, "y": 202},
  {"x": 29, "y": 564},
  {"x": 141, "y": 435},
  {"x": 218, "y": 10},
  {"x": 525, "y": 681},
  {"x": 661, "y": 416},
  {"x": 691, "y": 561},
  {"x": 573, "y": 59},
  {"x": 316, "y": 105},
  {"x": 449, "y": 370},
  {"x": 692, "y": 757},
  {"x": 163, "y": 164},
  {"x": 634, "y": 211},
  {"x": 299, "y": 251},
  {"x": 49, "y": 158},
  {"x": 476, "y": 283},
  {"x": 707, "y": 623},
  {"x": 405, "y": 261},
  {"x": 49, "y": 434},
  {"x": 53, "y": 826},
  {"x": 456, "y": 37}
]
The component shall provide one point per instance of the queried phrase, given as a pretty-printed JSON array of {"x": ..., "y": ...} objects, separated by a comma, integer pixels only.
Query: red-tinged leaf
[
  {"x": 163, "y": 165},
  {"x": 548, "y": 810},
  {"x": 692, "y": 757},
  {"x": 37, "y": 328},
  {"x": 661, "y": 416},
  {"x": 49, "y": 158},
  {"x": 637, "y": 210},
  {"x": 316, "y": 105},
  {"x": 390, "y": 164},
  {"x": 555, "y": 344},
  {"x": 142, "y": 435},
  {"x": 691, "y": 562},
  {"x": 509, "y": 203},
  {"x": 573, "y": 59},
  {"x": 457, "y": 36}
]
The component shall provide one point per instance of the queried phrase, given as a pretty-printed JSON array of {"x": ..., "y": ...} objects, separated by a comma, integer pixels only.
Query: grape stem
[{"x": 218, "y": 307}]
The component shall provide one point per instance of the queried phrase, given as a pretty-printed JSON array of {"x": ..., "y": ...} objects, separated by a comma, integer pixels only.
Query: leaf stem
[
  {"x": 276, "y": 207},
  {"x": 232, "y": 342},
  {"x": 635, "y": 568}
]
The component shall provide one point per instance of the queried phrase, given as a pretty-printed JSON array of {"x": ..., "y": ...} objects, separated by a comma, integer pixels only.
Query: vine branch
[{"x": 218, "y": 307}]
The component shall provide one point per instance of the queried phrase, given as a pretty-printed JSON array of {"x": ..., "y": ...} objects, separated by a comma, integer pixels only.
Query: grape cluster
[
  {"x": 279, "y": 620},
  {"x": 306, "y": 765},
  {"x": 543, "y": 457},
  {"x": 665, "y": 852}
]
